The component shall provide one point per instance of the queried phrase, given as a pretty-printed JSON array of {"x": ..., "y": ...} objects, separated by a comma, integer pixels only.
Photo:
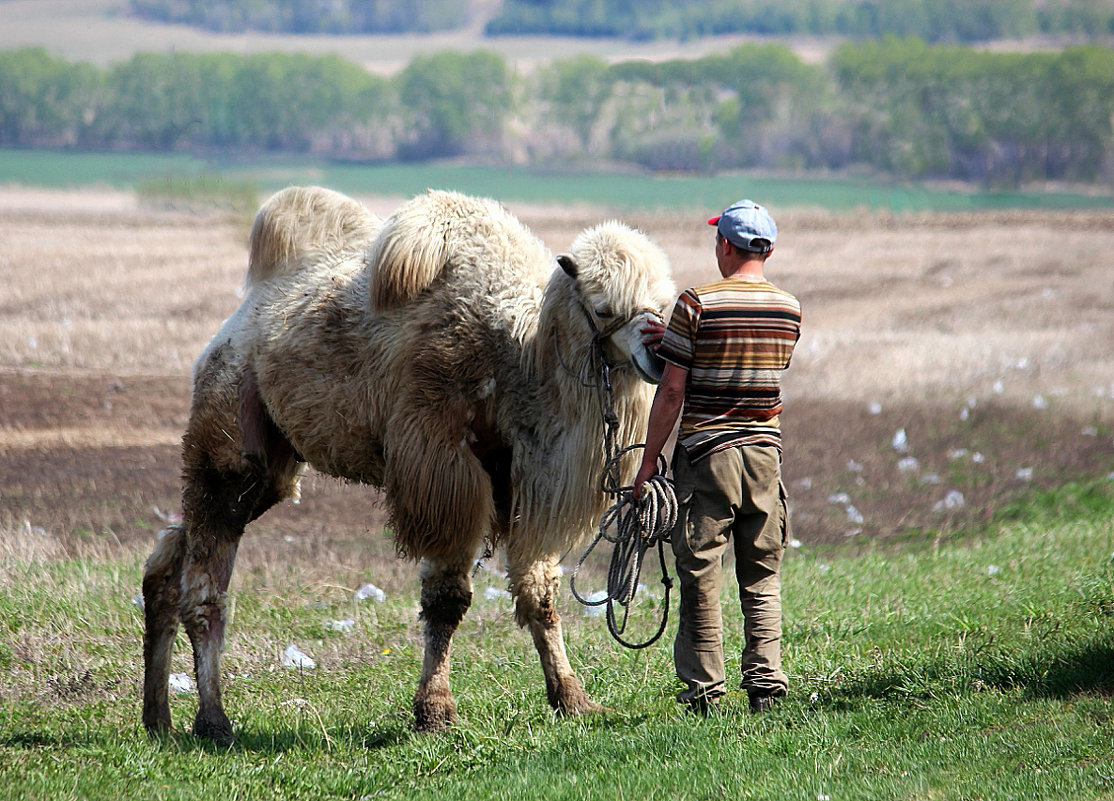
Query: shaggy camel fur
[{"x": 435, "y": 354}]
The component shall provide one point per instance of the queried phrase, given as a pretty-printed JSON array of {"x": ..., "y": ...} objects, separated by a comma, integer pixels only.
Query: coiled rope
[{"x": 632, "y": 526}]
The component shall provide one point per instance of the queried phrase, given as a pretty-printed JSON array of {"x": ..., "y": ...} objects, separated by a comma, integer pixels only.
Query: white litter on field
[
  {"x": 952, "y": 501},
  {"x": 597, "y": 597},
  {"x": 910, "y": 464},
  {"x": 493, "y": 593},
  {"x": 294, "y": 658},
  {"x": 137, "y": 599},
  {"x": 344, "y": 626},
  {"x": 370, "y": 591},
  {"x": 1025, "y": 474},
  {"x": 181, "y": 683},
  {"x": 900, "y": 441}
]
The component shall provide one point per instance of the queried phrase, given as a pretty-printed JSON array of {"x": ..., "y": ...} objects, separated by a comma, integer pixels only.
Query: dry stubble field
[{"x": 988, "y": 339}]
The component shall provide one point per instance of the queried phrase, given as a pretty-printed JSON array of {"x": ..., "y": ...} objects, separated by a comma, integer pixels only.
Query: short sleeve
[{"x": 678, "y": 344}]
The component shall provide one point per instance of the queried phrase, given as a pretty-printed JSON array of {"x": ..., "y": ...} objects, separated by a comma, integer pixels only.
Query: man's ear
[{"x": 569, "y": 265}]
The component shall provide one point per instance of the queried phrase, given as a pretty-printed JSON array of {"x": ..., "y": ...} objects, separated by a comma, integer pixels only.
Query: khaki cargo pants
[{"x": 734, "y": 494}]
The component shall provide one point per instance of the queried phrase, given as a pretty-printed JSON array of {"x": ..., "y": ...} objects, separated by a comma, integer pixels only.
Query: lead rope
[{"x": 632, "y": 526}]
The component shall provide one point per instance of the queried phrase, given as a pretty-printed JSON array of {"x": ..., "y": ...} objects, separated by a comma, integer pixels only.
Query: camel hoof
[
  {"x": 217, "y": 729},
  {"x": 576, "y": 703},
  {"x": 157, "y": 724},
  {"x": 586, "y": 708},
  {"x": 434, "y": 714}
]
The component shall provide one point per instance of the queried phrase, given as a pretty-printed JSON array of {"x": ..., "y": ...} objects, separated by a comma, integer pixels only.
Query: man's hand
[
  {"x": 644, "y": 474},
  {"x": 653, "y": 332}
]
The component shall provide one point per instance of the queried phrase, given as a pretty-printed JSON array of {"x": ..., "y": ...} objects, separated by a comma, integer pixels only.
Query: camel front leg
[
  {"x": 534, "y": 587},
  {"x": 446, "y": 596}
]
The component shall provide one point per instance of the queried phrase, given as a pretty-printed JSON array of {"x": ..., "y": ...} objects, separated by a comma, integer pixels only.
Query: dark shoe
[
  {"x": 703, "y": 707},
  {"x": 764, "y": 702}
]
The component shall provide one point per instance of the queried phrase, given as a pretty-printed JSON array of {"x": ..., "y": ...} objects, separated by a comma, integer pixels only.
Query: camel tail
[
  {"x": 302, "y": 225},
  {"x": 417, "y": 243}
]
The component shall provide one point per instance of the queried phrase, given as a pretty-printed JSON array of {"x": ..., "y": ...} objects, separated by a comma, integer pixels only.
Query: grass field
[
  {"x": 618, "y": 191},
  {"x": 982, "y": 670},
  {"x": 935, "y": 652}
]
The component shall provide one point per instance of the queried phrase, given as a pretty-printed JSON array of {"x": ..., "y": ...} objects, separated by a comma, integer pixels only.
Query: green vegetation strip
[
  {"x": 975, "y": 669},
  {"x": 187, "y": 178}
]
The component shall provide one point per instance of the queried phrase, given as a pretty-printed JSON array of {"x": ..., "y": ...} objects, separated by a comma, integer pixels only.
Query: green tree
[
  {"x": 456, "y": 103},
  {"x": 576, "y": 89},
  {"x": 46, "y": 101}
]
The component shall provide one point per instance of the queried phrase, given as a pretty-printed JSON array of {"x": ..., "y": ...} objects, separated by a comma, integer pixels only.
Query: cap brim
[{"x": 714, "y": 220}]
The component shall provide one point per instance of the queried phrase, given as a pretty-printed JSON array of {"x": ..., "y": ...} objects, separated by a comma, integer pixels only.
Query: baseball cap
[{"x": 747, "y": 225}]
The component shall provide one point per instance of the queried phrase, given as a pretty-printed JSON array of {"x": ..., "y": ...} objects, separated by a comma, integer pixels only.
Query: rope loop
[{"x": 633, "y": 527}]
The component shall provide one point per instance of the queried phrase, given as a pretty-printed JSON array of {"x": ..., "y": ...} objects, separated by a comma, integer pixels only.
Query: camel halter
[{"x": 632, "y": 526}]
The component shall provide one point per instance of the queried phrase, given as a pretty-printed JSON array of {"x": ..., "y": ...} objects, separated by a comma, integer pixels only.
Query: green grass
[
  {"x": 200, "y": 192},
  {"x": 619, "y": 190},
  {"x": 981, "y": 669}
]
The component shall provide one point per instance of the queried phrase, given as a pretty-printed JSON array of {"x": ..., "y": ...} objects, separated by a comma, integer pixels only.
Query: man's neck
[{"x": 750, "y": 271}]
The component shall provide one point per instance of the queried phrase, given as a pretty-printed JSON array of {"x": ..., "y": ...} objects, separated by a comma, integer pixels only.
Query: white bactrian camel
[{"x": 437, "y": 355}]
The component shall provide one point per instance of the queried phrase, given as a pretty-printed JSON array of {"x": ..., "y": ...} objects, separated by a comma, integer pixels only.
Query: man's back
[{"x": 734, "y": 337}]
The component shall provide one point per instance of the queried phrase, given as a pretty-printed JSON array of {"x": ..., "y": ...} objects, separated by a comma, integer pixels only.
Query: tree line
[
  {"x": 899, "y": 106},
  {"x": 307, "y": 16},
  {"x": 931, "y": 20}
]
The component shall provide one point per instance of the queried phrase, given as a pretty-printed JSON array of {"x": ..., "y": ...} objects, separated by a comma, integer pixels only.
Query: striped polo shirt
[{"x": 734, "y": 337}]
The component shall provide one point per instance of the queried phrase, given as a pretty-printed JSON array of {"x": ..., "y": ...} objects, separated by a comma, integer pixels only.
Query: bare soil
[{"x": 987, "y": 339}]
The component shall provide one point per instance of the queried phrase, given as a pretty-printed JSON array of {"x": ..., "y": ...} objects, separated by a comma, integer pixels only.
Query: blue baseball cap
[{"x": 747, "y": 225}]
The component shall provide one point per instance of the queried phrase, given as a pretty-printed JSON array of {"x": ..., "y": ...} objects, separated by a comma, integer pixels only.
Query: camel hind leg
[
  {"x": 161, "y": 589},
  {"x": 218, "y": 506},
  {"x": 187, "y": 577}
]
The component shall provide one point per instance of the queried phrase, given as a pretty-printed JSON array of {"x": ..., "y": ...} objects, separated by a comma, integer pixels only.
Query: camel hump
[
  {"x": 419, "y": 240},
  {"x": 300, "y": 225}
]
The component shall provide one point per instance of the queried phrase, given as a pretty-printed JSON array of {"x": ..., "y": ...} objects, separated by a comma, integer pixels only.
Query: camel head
[{"x": 621, "y": 280}]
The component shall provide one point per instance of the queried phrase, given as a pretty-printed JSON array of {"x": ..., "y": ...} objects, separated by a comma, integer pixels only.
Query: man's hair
[{"x": 754, "y": 254}]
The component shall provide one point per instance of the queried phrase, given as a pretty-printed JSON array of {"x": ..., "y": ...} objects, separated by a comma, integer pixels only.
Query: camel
[{"x": 443, "y": 355}]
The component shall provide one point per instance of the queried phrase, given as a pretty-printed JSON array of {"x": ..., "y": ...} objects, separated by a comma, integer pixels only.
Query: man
[{"x": 725, "y": 347}]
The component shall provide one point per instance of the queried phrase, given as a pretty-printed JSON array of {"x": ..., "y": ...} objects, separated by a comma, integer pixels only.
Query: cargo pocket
[
  {"x": 683, "y": 486},
  {"x": 783, "y": 500}
]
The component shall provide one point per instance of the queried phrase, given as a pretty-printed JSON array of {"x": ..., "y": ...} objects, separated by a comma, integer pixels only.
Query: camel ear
[{"x": 569, "y": 265}]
